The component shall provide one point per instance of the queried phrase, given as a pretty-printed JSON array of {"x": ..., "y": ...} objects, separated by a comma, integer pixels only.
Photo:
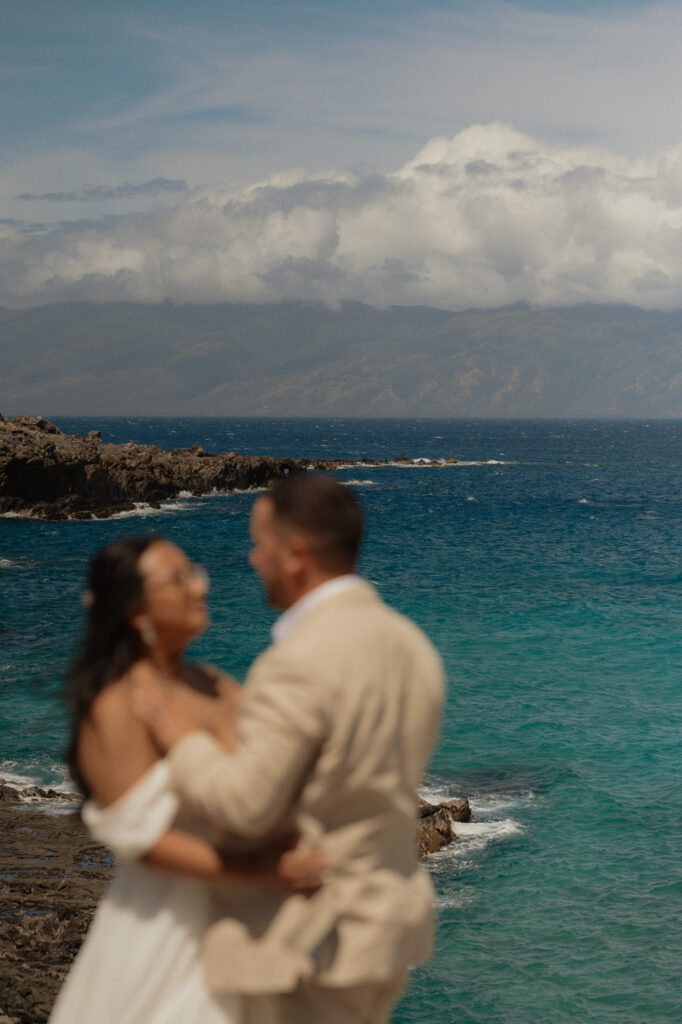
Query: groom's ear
[{"x": 297, "y": 552}]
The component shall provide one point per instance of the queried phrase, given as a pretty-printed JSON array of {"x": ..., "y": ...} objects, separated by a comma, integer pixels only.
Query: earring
[{"x": 148, "y": 634}]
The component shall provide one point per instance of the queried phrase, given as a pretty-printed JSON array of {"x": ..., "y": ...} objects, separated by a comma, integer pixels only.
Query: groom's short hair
[{"x": 326, "y": 512}]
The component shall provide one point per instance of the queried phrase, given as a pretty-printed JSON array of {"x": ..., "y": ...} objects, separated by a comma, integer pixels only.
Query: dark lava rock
[
  {"x": 12, "y": 795},
  {"x": 47, "y": 474},
  {"x": 434, "y": 830},
  {"x": 52, "y": 875}
]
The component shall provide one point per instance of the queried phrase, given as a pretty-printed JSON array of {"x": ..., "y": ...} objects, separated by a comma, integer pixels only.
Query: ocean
[{"x": 546, "y": 567}]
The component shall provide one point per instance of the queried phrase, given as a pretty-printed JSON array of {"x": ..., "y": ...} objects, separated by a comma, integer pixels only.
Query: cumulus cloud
[
  {"x": 92, "y": 193},
  {"x": 488, "y": 217}
]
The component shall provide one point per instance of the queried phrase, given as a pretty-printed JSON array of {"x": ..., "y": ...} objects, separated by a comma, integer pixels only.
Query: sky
[{"x": 435, "y": 152}]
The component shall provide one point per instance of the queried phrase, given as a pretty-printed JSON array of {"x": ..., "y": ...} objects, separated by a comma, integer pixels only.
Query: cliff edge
[{"x": 47, "y": 474}]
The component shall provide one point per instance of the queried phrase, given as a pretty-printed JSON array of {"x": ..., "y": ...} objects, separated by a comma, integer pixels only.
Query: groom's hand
[
  {"x": 168, "y": 717},
  {"x": 303, "y": 871}
]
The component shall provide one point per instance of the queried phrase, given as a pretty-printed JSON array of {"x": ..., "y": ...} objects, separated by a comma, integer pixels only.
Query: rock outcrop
[
  {"x": 47, "y": 474},
  {"x": 434, "y": 830}
]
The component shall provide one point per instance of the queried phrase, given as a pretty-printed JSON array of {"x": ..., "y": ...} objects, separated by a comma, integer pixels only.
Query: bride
[{"x": 140, "y": 962}]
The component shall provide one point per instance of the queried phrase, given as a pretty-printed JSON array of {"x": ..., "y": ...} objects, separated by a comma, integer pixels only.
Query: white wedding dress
[{"x": 140, "y": 961}]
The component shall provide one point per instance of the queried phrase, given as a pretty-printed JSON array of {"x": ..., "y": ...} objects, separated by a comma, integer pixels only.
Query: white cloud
[
  {"x": 488, "y": 217},
  {"x": 98, "y": 193},
  {"x": 229, "y": 101}
]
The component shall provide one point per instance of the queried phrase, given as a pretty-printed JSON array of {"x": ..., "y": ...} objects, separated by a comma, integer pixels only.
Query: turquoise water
[{"x": 546, "y": 567}]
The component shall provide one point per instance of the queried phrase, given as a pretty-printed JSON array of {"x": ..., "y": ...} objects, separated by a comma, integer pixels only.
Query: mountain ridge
[{"x": 295, "y": 359}]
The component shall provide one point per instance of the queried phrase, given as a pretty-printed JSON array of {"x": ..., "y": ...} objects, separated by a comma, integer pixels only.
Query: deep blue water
[{"x": 546, "y": 567}]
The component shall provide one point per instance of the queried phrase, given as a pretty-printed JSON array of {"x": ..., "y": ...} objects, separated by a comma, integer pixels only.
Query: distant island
[
  {"x": 296, "y": 358},
  {"x": 47, "y": 474}
]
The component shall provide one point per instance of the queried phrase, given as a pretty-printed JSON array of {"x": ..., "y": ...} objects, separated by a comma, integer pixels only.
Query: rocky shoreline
[
  {"x": 46, "y": 474},
  {"x": 52, "y": 875}
]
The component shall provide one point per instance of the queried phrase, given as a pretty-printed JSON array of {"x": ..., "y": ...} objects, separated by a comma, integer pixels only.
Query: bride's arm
[
  {"x": 179, "y": 852},
  {"x": 115, "y": 751}
]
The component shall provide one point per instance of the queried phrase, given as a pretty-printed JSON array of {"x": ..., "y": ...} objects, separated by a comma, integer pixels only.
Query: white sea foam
[
  {"x": 421, "y": 462},
  {"x": 499, "y": 803},
  {"x": 425, "y": 462},
  {"x": 480, "y": 462},
  {"x": 493, "y": 822},
  {"x": 143, "y": 509},
  {"x": 470, "y": 497},
  {"x": 45, "y": 805},
  {"x": 7, "y": 563},
  {"x": 13, "y": 778},
  {"x": 455, "y": 898},
  {"x": 434, "y": 793},
  {"x": 361, "y": 483},
  {"x": 584, "y": 501},
  {"x": 185, "y": 500},
  {"x": 475, "y": 835},
  {"x": 19, "y": 779}
]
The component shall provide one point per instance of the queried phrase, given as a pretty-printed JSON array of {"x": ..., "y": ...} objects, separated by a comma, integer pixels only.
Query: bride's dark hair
[{"x": 109, "y": 645}]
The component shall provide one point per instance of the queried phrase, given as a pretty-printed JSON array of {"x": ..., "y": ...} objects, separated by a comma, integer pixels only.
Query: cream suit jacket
[{"x": 335, "y": 729}]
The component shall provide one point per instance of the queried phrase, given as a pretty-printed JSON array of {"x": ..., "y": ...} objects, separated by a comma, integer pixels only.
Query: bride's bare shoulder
[
  {"x": 112, "y": 707},
  {"x": 111, "y": 703},
  {"x": 114, "y": 747}
]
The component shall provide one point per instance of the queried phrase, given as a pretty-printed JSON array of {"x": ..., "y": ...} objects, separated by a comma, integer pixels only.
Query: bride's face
[{"x": 175, "y": 595}]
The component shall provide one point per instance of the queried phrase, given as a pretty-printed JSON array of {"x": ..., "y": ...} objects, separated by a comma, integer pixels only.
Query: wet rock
[
  {"x": 52, "y": 875},
  {"x": 47, "y": 474},
  {"x": 434, "y": 829},
  {"x": 12, "y": 795}
]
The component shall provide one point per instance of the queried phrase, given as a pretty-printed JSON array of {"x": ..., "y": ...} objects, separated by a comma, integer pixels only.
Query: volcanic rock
[
  {"x": 47, "y": 474},
  {"x": 52, "y": 875},
  {"x": 434, "y": 829}
]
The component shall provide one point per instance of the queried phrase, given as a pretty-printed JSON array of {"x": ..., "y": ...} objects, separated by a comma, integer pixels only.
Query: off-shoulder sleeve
[{"x": 134, "y": 823}]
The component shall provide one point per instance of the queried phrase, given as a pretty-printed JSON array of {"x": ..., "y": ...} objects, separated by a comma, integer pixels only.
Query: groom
[{"x": 338, "y": 719}]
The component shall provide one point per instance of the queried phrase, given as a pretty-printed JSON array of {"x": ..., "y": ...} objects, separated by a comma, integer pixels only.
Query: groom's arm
[{"x": 282, "y": 726}]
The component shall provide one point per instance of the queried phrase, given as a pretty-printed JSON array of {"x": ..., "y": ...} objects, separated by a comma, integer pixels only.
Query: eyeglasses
[{"x": 189, "y": 575}]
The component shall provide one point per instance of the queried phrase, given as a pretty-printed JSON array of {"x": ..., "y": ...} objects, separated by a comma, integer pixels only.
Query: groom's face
[{"x": 269, "y": 555}]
